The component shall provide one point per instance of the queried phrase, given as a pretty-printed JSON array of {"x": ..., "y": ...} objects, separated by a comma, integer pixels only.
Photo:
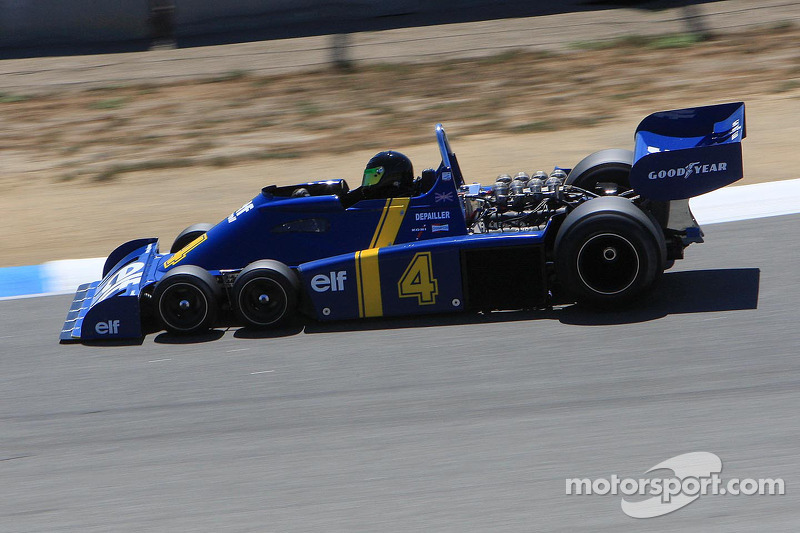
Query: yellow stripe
[
  {"x": 381, "y": 221},
  {"x": 389, "y": 224},
  {"x": 368, "y": 276},
  {"x": 359, "y": 287},
  {"x": 181, "y": 254}
]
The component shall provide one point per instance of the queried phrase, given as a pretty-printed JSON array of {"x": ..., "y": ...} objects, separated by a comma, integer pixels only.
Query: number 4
[{"x": 418, "y": 280}]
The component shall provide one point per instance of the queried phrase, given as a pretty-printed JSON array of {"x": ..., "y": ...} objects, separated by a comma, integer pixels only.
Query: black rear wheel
[
  {"x": 608, "y": 252},
  {"x": 608, "y": 263},
  {"x": 604, "y": 172},
  {"x": 607, "y": 173}
]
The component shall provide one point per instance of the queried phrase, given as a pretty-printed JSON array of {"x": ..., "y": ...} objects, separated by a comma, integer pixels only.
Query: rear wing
[{"x": 688, "y": 152}]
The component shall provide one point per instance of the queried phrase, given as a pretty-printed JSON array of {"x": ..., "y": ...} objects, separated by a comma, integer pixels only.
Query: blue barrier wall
[
  {"x": 43, "y": 23},
  {"x": 25, "y": 23}
]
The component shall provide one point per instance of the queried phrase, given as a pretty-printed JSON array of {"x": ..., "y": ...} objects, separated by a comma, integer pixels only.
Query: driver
[{"x": 387, "y": 175}]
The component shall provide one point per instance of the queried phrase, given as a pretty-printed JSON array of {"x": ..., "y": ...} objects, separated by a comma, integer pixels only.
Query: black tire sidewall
[
  {"x": 188, "y": 235},
  {"x": 202, "y": 288},
  {"x": 613, "y": 165},
  {"x": 615, "y": 162},
  {"x": 610, "y": 172},
  {"x": 280, "y": 279},
  {"x": 582, "y": 231}
]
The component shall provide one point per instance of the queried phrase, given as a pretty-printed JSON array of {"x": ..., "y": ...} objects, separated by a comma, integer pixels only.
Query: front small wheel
[
  {"x": 265, "y": 294},
  {"x": 185, "y": 301}
]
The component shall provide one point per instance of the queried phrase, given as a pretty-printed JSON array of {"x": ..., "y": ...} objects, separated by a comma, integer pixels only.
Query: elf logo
[
  {"x": 333, "y": 282},
  {"x": 109, "y": 327}
]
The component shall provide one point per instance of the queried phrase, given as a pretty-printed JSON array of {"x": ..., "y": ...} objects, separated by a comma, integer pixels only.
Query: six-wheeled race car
[{"x": 600, "y": 233}]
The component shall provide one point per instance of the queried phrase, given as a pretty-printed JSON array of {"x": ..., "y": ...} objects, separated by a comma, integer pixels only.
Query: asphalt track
[{"x": 458, "y": 423}]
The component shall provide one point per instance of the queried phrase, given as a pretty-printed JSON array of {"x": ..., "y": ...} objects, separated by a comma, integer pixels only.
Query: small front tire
[
  {"x": 185, "y": 300},
  {"x": 265, "y": 294}
]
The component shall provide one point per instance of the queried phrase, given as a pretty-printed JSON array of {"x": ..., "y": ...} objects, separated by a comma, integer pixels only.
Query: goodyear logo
[
  {"x": 181, "y": 254},
  {"x": 688, "y": 170}
]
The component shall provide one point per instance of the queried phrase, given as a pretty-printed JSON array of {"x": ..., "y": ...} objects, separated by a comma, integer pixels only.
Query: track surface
[{"x": 468, "y": 424}]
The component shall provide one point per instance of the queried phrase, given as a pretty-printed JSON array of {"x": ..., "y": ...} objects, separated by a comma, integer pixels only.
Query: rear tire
[
  {"x": 265, "y": 294},
  {"x": 606, "y": 166},
  {"x": 608, "y": 252},
  {"x": 186, "y": 300},
  {"x": 611, "y": 168},
  {"x": 188, "y": 235}
]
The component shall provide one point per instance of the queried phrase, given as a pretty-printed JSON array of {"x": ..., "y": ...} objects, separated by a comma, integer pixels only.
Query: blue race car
[{"x": 600, "y": 233}]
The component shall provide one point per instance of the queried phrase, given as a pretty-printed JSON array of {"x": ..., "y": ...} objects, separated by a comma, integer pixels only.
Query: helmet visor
[{"x": 372, "y": 176}]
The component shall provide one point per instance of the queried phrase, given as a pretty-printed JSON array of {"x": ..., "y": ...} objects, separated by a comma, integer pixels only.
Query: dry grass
[{"x": 102, "y": 134}]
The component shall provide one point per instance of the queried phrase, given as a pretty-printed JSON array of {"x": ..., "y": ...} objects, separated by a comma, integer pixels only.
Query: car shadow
[
  {"x": 696, "y": 291},
  {"x": 295, "y": 328},
  {"x": 103, "y": 343},
  {"x": 208, "y": 336}
]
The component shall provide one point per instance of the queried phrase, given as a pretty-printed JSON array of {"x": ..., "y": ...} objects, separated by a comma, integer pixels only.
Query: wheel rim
[
  {"x": 621, "y": 187},
  {"x": 618, "y": 177},
  {"x": 608, "y": 263},
  {"x": 262, "y": 301},
  {"x": 183, "y": 306}
]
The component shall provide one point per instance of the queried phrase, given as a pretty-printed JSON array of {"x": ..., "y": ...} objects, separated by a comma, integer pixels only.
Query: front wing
[{"x": 109, "y": 308}]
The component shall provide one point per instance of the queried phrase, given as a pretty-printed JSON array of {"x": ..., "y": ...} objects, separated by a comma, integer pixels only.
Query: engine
[{"x": 520, "y": 203}]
